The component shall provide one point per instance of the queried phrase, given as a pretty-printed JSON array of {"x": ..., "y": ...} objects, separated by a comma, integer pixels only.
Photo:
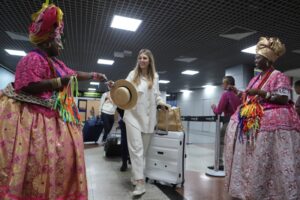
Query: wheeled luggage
[
  {"x": 112, "y": 147},
  {"x": 165, "y": 160},
  {"x": 91, "y": 130}
]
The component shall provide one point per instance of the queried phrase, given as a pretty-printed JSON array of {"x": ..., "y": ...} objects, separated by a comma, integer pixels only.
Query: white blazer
[{"x": 143, "y": 115}]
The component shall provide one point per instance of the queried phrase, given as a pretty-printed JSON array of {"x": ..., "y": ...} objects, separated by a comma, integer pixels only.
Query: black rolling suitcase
[
  {"x": 92, "y": 130},
  {"x": 112, "y": 146}
]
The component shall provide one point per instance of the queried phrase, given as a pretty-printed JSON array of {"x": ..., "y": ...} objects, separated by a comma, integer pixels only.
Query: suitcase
[
  {"x": 112, "y": 146},
  {"x": 92, "y": 130},
  {"x": 165, "y": 160}
]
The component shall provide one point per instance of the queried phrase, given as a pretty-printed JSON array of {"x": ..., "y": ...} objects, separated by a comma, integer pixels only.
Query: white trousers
[{"x": 138, "y": 144}]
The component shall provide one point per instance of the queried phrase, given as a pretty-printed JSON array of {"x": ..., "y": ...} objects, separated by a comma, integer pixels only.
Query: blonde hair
[{"x": 151, "y": 69}]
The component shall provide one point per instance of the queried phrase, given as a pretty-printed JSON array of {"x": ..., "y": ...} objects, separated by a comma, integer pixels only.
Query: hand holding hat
[{"x": 123, "y": 93}]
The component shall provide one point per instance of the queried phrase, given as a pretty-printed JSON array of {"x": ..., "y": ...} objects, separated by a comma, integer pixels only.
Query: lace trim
[{"x": 21, "y": 96}]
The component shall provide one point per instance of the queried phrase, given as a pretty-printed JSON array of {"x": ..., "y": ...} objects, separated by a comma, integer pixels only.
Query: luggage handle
[{"x": 159, "y": 107}]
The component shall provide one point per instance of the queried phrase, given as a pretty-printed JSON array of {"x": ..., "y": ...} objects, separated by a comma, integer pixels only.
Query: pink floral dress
[{"x": 271, "y": 168}]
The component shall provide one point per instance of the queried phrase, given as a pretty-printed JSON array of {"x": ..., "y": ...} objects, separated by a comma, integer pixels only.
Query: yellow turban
[
  {"x": 47, "y": 24},
  {"x": 271, "y": 48}
]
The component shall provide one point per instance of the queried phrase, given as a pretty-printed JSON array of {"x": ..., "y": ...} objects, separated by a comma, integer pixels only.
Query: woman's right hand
[
  {"x": 100, "y": 77},
  {"x": 110, "y": 84}
]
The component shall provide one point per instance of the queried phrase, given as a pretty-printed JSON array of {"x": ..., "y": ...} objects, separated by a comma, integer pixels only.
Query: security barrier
[{"x": 218, "y": 119}]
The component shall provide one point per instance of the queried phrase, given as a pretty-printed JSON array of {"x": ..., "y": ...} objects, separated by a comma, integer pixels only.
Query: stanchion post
[
  {"x": 188, "y": 133},
  {"x": 217, "y": 143}
]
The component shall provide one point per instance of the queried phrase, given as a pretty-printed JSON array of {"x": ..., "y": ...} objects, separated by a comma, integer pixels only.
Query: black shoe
[
  {"x": 123, "y": 168},
  {"x": 221, "y": 167}
]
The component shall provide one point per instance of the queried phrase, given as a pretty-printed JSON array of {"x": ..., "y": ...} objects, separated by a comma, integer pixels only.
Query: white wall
[
  {"x": 5, "y": 77},
  {"x": 242, "y": 75},
  {"x": 295, "y": 96},
  {"x": 198, "y": 103},
  {"x": 295, "y": 73}
]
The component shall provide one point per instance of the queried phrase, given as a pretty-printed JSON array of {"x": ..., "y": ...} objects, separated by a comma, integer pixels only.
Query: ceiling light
[
  {"x": 119, "y": 54},
  {"x": 125, "y": 23},
  {"x": 18, "y": 36},
  {"x": 296, "y": 51},
  {"x": 185, "y": 59},
  {"x": 105, "y": 62},
  {"x": 186, "y": 91},
  {"x": 190, "y": 72},
  {"x": 94, "y": 83},
  {"x": 167, "y": 95},
  {"x": 164, "y": 81},
  {"x": 15, "y": 52},
  {"x": 251, "y": 50},
  {"x": 209, "y": 86},
  {"x": 92, "y": 89}
]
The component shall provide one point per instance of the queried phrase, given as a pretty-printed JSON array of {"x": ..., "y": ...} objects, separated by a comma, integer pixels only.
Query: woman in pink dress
[
  {"x": 41, "y": 151},
  {"x": 265, "y": 164}
]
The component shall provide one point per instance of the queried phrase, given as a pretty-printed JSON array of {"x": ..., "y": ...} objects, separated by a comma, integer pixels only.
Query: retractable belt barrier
[
  {"x": 218, "y": 119},
  {"x": 200, "y": 119}
]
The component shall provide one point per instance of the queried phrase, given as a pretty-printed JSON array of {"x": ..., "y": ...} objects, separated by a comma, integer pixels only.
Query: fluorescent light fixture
[
  {"x": 251, "y": 50},
  {"x": 209, "y": 86},
  {"x": 125, "y": 23},
  {"x": 92, "y": 89},
  {"x": 105, "y": 61},
  {"x": 18, "y": 36},
  {"x": 190, "y": 72},
  {"x": 186, "y": 91},
  {"x": 167, "y": 95},
  {"x": 94, "y": 83},
  {"x": 185, "y": 59},
  {"x": 15, "y": 52},
  {"x": 296, "y": 51},
  {"x": 164, "y": 81}
]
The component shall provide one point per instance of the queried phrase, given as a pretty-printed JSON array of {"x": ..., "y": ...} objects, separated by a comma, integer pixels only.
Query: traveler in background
[
  {"x": 228, "y": 104},
  {"x": 107, "y": 110},
  {"x": 141, "y": 120},
  {"x": 124, "y": 146},
  {"x": 92, "y": 113},
  {"x": 263, "y": 161},
  {"x": 297, "y": 90}
]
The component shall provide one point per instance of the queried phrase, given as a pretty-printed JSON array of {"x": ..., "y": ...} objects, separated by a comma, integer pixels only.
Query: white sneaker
[
  {"x": 133, "y": 182},
  {"x": 139, "y": 189}
]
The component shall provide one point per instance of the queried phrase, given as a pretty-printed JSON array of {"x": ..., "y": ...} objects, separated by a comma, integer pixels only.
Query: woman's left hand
[{"x": 164, "y": 106}]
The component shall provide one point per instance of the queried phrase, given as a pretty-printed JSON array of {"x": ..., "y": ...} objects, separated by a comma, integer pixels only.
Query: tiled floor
[{"x": 105, "y": 181}]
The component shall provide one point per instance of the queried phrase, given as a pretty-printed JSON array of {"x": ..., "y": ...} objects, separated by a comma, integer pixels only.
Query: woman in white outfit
[
  {"x": 141, "y": 119},
  {"x": 107, "y": 110}
]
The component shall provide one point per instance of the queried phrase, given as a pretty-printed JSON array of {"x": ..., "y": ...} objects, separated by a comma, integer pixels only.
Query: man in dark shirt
[
  {"x": 228, "y": 104},
  {"x": 297, "y": 90}
]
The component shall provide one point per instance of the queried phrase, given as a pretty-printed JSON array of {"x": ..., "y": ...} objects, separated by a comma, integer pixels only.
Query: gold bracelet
[
  {"x": 58, "y": 80},
  {"x": 54, "y": 83}
]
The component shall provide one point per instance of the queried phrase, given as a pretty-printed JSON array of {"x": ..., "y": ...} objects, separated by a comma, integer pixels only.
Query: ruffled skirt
[{"x": 40, "y": 158}]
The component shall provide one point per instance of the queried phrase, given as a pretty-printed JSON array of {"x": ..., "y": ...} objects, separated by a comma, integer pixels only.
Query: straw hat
[{"x": 124, "y": 94}]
